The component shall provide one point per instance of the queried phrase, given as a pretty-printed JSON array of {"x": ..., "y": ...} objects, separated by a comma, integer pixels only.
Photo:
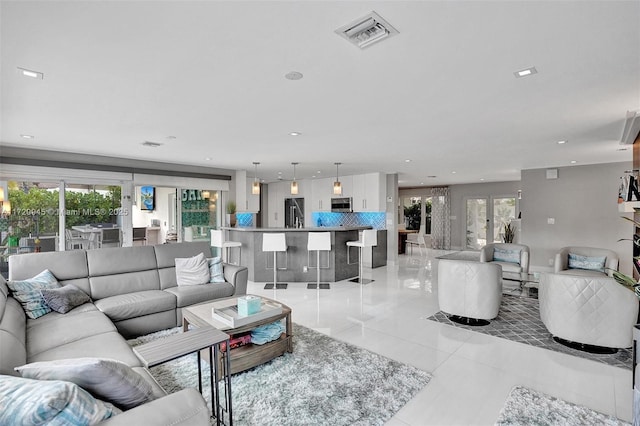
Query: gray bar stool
[
  {"x": 368, "y": 238},
  {"x": 318, "y": 241},
  {"x": 217, "y": 240},
  {"x": 275, "y": 242}
]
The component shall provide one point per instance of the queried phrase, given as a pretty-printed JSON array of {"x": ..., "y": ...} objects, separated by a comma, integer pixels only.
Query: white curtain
[{"x": 440, "y": 224}]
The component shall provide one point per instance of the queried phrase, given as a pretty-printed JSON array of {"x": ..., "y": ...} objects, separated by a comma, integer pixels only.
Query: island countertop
[
  {"x": 296, "y": 264},
  {"x": 308, "y": 229}
]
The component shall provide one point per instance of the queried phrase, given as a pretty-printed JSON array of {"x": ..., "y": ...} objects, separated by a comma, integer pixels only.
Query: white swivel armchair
[
  {"x": 513, "y": 258},
  {"x": 470, "y": 292},
  {"x": 588, "y": 265}
]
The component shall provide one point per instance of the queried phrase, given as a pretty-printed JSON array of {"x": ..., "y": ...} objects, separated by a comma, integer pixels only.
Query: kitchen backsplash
[{"x": 377, "y": 220}]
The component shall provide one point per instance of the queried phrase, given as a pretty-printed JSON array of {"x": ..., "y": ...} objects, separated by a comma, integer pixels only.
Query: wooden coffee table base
[{"x": 250, "y": 355}]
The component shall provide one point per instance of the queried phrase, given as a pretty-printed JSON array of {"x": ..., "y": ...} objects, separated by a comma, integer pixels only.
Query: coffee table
[{"x": 250, "y": 355}]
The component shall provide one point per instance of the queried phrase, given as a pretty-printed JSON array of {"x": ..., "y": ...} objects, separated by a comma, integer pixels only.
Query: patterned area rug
[
  {"x": 529, "y": 407},
  {"x": 324, "y": 381},
  {"x": 519, "y": 320}
]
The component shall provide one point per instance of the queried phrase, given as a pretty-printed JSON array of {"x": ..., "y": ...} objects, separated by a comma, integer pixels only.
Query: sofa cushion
[
  {"x": 215, "y": 270},
  {"x": 140, "y": 303},
  {"x": 593, "y": 263},
  {"x": 106, "y": 345},
  {"x": 51, "y": 402},
  {"x": 65, "y": 298},
  {"x": 192, "y": 270},
  {"x": 45, "y": 335},
  {"x": 509, "y": 267},
  {"x": 190, "y": 295},
  {"x": 106, "y": 379},
  {"x": 27, "y": 292},
  {"x": 506, "y": 255}
]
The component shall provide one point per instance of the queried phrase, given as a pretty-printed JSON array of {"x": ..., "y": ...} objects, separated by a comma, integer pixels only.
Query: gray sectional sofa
[{"x": 134, "y": 292}]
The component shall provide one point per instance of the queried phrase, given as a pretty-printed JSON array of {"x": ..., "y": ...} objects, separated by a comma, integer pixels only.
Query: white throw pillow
[
  {"x": 106, "y": 379},
  {"x": 192, "y": 271}
]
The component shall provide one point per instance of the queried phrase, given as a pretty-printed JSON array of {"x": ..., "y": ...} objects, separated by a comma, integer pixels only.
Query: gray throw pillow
[
  {"x": 106, "y": 379},
  {"x": 65, "y": 298},
  {"x": 192, "y": 270}
]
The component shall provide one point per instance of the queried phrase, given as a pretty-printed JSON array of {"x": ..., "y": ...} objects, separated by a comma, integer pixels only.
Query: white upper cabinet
[
  {"x": 278, "y": 191},
  {"x": 321, "y": 193},
  {"x": 369, "y": 192},
  {"x": 245, "y": 200}
]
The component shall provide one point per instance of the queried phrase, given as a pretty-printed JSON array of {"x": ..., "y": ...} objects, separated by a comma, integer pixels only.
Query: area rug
[
  {"x": 529, "y": 407},
  {"x": 462, "y": 255},
  {"x": 323, "y": 382},
  {"x": 519, "y": 320}
]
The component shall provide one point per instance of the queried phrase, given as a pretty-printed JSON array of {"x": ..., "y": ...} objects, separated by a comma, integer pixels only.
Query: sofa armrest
[
  {"x": 186, "y": 407},
  {"x": 561, "y": 262},
  {"x": 486, "y": 253},
  {"x": 237, "y": 276},
  {"x": 524, "y": 261}
]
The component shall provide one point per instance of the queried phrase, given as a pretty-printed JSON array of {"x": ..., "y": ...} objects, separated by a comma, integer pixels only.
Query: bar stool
[
  {"x": 318, "y": 241},
  {"x": 368, "y": 238},
  {"x": 217, "y": 240},
  {"x": 275, "y": 242}
]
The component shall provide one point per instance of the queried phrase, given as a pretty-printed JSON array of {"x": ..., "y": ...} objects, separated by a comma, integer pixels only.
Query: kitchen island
[{"x": 296, "y": 260}]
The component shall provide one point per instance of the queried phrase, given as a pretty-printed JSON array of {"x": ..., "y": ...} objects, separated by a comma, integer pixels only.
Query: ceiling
[{"x": 206, "y": 80}]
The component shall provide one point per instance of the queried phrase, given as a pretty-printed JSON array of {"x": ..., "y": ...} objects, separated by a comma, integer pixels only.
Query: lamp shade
[
  {"x": 337, "y": 188},
  {"x": 1, "y": 193},
  {"x": 255, "y": 188},
  {"x": 294, "y": 188},
  {"x": 6, "y": 207}
]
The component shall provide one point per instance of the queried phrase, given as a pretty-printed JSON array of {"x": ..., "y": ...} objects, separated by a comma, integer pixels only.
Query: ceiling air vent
[{"x": 367, "y": 30}]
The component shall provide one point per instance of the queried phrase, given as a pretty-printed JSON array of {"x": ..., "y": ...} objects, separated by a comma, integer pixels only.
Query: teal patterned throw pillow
[
  {"x": 27, "y": 292},
  {"x": 593, "y": 263},
  {"x": 215, "y": 270},
  {"x": 506, "y": 255}
]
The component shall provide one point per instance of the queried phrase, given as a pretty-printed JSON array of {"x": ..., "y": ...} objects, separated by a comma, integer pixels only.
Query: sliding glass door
[{"x": 486, "y": 218}]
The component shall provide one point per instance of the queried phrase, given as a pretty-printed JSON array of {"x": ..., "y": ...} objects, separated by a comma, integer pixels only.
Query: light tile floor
[{"x": 472, "y": 372}]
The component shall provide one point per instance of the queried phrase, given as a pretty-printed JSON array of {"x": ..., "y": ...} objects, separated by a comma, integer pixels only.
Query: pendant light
[
  {"x": 337, "y": 186},
  {"x": 255, "y": 188},
  {"x": 294, "y": 184}
]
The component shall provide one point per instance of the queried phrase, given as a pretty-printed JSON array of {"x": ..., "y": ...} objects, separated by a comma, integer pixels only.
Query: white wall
[{"x": 583, "y": 203}]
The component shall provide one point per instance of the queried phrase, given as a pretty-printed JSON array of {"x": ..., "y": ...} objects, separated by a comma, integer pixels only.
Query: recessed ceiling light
[
  {"x": 318, "y": 172},
  {"x": 293, "y": 75},
  {"x": 295, "y": 134},
  {"x": 526, "y": 72},
  {"x": 208, "y": 158},
  {"x": 407, "y": 161},
  {"x": 561, "y": 142},
  {"x": 313, "y": 176},
  {"x": 151, "y": 144},
  {"x": 421, "y": 183},
  {"x": 453, "y": 173},
  {"x": 279, "y": 173},
  {"x": 29, "y": 73},
  {"x": 481, "y": 179},
  {"x": 27, "y": 136},
  {"x": 573, "y": 161}
]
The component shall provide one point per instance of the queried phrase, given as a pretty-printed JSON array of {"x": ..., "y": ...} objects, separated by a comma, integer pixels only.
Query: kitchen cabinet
[
  {"x": 321, "y": 193},
  {"x": 278, "y": 191},
  {"x": 368, "y": 192},
  {"x": 245, "y": 200}
]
